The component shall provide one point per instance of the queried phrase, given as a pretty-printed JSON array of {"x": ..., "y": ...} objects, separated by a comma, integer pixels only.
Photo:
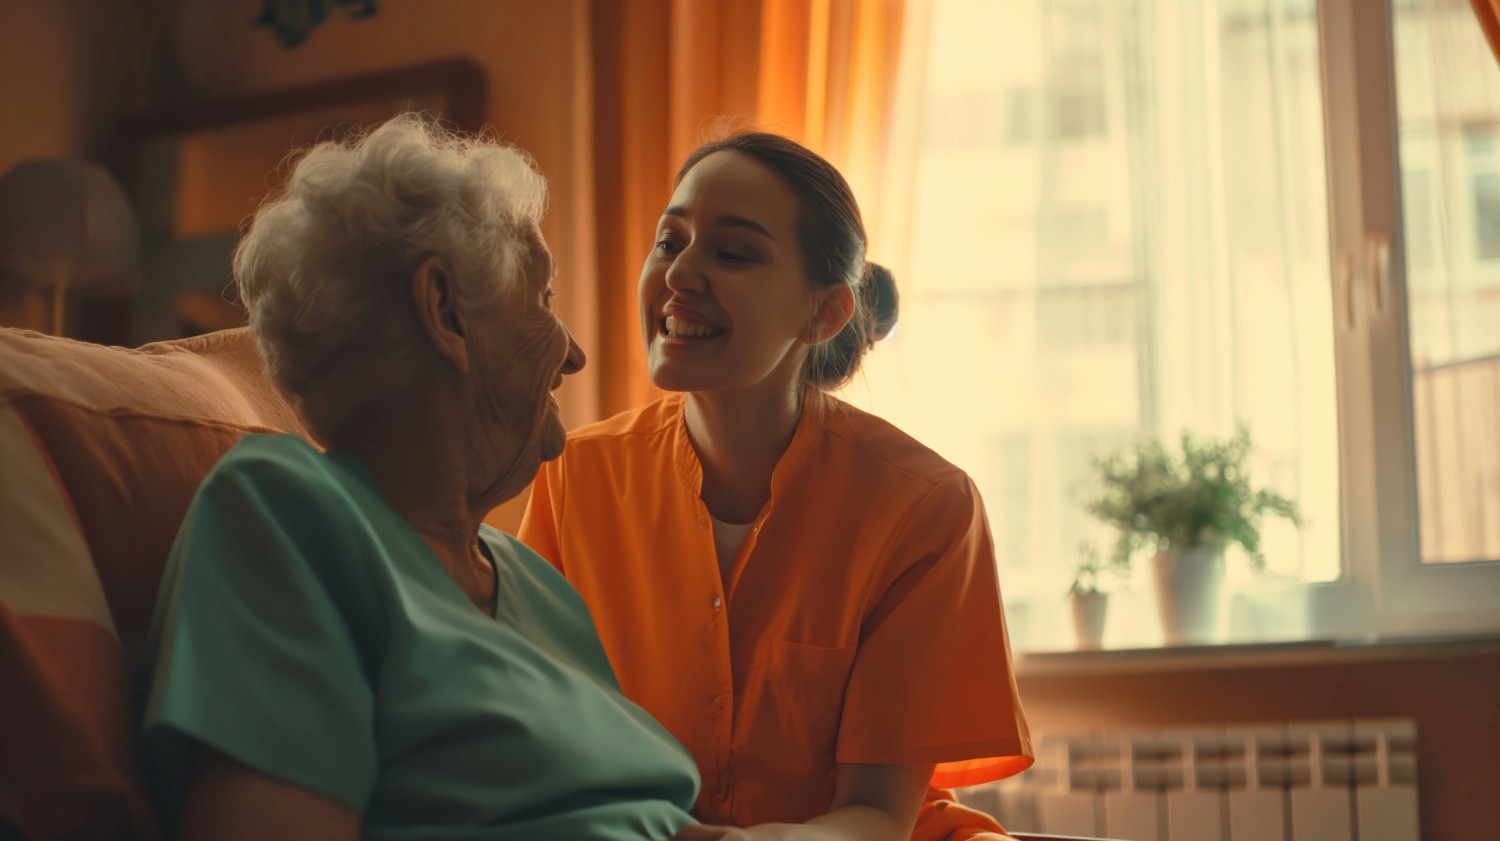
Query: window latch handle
[
  {"x": 1346, "y": 286},
  {"x": 1378, "y": 263}
]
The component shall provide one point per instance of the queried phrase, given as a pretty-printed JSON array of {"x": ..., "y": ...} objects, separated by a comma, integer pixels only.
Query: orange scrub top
[{"x": 860, "y": 621}]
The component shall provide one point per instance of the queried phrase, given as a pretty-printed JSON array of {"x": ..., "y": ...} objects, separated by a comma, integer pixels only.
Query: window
[
  {"x": 1481, "y": 162},
  {"x": 1448, "y": 108},
  {"x": 1140, "y": 216}
]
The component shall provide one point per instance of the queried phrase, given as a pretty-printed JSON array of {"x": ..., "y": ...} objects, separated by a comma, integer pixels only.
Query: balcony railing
[{"x": 1457, "y": 408}]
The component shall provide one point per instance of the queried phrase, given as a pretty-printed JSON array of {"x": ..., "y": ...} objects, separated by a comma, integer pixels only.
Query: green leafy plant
[
  {"x": 1199, "y": 494},
  {"x": 1091, "y": 569}
]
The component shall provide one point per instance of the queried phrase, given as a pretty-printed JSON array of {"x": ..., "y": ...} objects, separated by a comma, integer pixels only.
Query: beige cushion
[{"x": 101, "y": 450}]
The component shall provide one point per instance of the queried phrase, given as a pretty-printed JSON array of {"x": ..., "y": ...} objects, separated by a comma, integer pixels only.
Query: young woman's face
[{"x": 725, "y": 298}]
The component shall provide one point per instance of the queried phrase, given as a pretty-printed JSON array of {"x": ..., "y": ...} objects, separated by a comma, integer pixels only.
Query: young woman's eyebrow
[{"x": 724, "y": 221}]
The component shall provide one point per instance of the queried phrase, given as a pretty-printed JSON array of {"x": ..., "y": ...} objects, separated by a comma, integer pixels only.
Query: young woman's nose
[{"x": 685, "y": 272}]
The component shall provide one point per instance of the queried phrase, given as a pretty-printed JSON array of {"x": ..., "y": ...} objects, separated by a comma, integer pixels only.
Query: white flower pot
[
  {"x": 1189, "y": 590},
  {"x": 1089, "y": 612}
]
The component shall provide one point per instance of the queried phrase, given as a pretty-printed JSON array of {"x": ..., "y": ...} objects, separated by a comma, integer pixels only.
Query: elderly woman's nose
[{"x": 575, "y": 359}]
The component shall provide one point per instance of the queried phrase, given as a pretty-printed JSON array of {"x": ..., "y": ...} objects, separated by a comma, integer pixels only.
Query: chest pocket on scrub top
[{"x": 796, "y": 694}]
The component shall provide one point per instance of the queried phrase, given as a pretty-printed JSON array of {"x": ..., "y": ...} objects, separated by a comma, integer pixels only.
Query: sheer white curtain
[{"x": 1117, "y": 228}]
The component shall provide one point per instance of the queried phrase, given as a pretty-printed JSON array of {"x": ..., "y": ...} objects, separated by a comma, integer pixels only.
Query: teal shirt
[{"x": 305, "y": 629}]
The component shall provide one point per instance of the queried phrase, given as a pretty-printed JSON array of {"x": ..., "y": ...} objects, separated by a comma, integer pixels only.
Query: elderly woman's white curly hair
[{"x": 326, "y": 267}]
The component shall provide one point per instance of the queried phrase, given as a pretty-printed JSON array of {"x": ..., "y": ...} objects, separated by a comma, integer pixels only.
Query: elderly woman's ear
[{"x": 437, "y": 309}]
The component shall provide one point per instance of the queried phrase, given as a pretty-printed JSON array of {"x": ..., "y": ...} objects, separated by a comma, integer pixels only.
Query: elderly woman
[{"x": 341, "y": 649}]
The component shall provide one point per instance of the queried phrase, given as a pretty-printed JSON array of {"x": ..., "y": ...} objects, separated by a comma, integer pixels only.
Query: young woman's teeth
[{"x": 681, "y": 328}]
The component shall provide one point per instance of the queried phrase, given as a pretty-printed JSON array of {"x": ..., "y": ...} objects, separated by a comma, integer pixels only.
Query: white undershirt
[{"x": 728, "y": 538}]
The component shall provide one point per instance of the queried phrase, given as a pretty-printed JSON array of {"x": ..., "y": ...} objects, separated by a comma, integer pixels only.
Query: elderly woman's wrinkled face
[{"x": 522, "y": 352}]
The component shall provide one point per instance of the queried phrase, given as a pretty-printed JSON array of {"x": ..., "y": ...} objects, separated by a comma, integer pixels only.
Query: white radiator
[{"x": 1300, "y": 781}]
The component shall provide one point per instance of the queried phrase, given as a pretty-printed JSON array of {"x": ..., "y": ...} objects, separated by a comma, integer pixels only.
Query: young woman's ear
[
  {"x": 437, "y": 310},
  {"x": 835, "y": 308}
]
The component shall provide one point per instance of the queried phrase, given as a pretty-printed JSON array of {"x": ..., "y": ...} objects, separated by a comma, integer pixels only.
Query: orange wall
[
  {"x": 42, "y": 80},
  {"x": 1453, "y": 697},
  {"x": 69, "y": 67}
]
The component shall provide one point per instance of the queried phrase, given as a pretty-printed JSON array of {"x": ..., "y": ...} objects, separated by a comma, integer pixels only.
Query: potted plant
[
  {"x": 1090, "y": 601},
  {"x": 1186, "y": 505}
]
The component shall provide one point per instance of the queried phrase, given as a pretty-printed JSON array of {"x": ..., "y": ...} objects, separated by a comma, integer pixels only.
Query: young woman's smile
[{"x": 685, "y": 330}]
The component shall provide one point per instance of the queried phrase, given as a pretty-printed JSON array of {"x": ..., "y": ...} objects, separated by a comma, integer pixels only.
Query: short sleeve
[
  {"x": 932, "y": 680},
  {"x": 543, "y": 510},
  {"x": 252, "y": 652}
]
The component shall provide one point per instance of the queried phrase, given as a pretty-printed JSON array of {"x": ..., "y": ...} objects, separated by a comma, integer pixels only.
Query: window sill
[{"x": 1250, "y": 655}]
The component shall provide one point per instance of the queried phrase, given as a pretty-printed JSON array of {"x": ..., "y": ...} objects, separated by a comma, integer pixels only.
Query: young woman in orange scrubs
[{"x": 802, "y": 594}]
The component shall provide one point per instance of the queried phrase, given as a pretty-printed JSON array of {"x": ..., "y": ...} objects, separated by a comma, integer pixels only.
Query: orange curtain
[
  {"x": 670, "y": 74},
  {"x": 1488, "y": 12}
]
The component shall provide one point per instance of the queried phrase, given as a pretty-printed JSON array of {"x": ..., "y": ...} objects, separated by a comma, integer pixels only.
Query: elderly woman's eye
[{"x": 548, "y": 296}]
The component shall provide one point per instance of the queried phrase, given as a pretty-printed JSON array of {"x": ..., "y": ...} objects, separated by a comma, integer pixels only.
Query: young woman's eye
[
  {"x": 665, "y": 245},
  {"x": 735, "y": 257}
]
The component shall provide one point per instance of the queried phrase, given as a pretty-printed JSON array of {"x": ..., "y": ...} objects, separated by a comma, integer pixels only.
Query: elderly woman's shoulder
[
  {"x": 545, "y": 588},
  {"x": 321, "y": 506},
  {"x": 281, "y": 469},
  {"x": 269, "y": 454},
  {"x": 507, "y": 550}
]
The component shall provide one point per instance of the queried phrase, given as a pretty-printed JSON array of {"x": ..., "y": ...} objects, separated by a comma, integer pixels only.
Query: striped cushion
[{"x": 101, "y": 450}]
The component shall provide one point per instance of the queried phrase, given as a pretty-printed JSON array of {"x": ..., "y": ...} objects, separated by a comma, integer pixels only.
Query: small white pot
[
  {"x": 1089, "y": 613},
  {"x": 1189, "y": 592}
]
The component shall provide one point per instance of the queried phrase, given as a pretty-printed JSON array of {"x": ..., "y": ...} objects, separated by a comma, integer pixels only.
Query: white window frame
[{"x": 1385, "y": 590}]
